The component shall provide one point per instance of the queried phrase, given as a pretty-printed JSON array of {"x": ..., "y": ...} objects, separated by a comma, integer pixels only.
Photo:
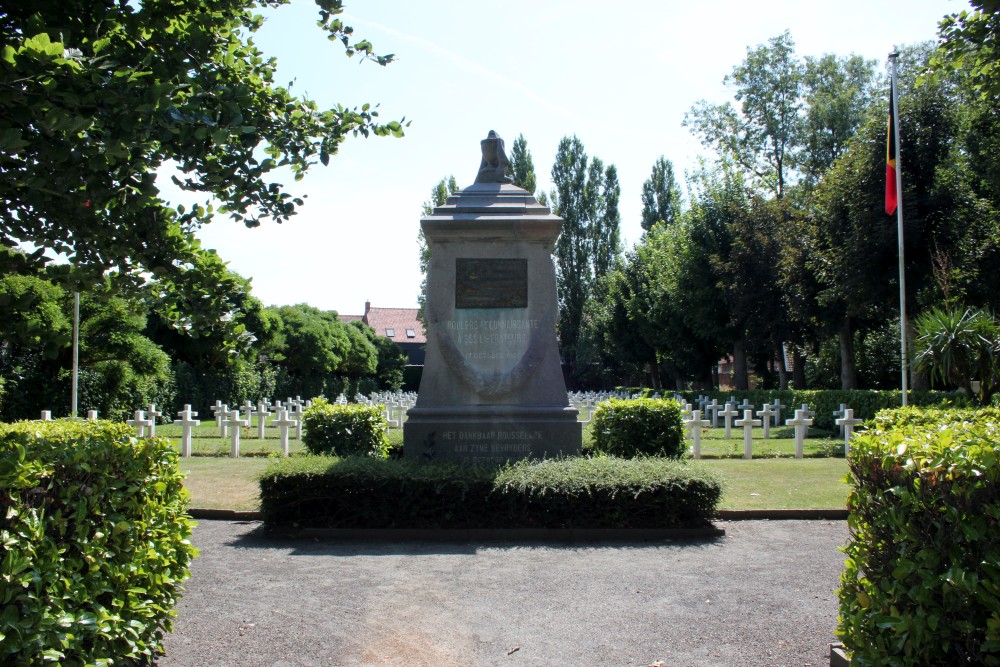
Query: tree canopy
[{"x": 98, "y": 96}]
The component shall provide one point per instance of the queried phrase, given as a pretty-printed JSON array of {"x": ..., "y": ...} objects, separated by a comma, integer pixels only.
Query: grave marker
[
  {"x": 694, "y": 426},
  {"x": 186, "y": 421},
  {"x": 727, "y": 416},
  {"x": 765, "y": 414},
  {"x": 801, "y": 423},
  {"x": 283, "y": 422},
  {"x": 236, "y": 423},
  {"x": 847, "y": 423},
  {"x": 139, "y": 422},
  {"x": 747, "y": 423},
  {"x": 151, "y": 414}
]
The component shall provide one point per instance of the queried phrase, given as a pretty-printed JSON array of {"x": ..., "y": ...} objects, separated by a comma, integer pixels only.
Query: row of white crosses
[{"x": 802, "y": 420}]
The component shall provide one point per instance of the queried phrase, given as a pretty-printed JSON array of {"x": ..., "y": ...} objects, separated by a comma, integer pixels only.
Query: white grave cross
[
  {"x": 283, "y": 421},
  {"x": 765, "y": 414},
  {"x": 727, "y": 416},
  {"x": 712, "y": 410},
  {"x": 152, "y": 413},
  {"x": 694, "y": 425},
  {"x": 801, "y": 423},
  {"x": 186, "y": 421},
  {"x": 777, "y": 411},
  {"x": 262, "y": 414},
  {"x": 140, "y": 423},
  {"x": 235, "y": 422},
  {"x": 747, "y": 423},
  {"x": 848, "y": 422}
]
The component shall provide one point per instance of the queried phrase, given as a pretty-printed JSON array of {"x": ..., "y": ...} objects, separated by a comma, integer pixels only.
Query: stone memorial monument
[{"x": 492, "y": 388}]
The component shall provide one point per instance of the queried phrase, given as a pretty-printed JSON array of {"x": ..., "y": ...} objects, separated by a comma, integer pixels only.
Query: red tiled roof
[
  {"x": 350, "y": 318},
  {"x": 398, "y": 320}
]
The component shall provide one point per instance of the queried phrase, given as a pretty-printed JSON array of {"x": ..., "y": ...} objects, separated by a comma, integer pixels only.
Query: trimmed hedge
[
  {"x": 599, "y": 492},
  {"x": 921, "y": 585},
  {"x": 94, "y": 543},
  {"x": 345, "y": 429},
  {"x": 865, "y": 402},
  {"x": 635, "y": 427}
]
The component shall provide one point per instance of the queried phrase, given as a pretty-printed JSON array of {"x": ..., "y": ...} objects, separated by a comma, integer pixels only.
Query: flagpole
[
  {"x": 76, "y": 355},
  {"x": 904, "y": 360}
]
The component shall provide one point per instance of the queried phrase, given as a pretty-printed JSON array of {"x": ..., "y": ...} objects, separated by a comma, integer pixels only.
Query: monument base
[{"x": 490, "y": 434}]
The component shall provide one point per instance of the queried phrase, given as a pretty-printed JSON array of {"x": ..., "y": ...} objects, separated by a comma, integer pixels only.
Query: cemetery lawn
[
  {"x": 225, "y": 483},
  {"x": 781, "y": 483}
]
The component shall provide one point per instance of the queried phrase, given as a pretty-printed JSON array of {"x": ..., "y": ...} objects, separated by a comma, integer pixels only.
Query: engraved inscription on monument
[{"x": 491, "y": 283}]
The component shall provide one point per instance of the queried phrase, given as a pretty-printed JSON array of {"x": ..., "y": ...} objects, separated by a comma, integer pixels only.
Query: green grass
[
  {"x": 772, "y": 480},
  {"x": 781, "y": 483}
]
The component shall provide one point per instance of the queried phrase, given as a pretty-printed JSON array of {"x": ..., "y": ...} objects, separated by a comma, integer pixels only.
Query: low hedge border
[
  {"x": 94, "y": 543},
  {"x": 572, "y": 493}
]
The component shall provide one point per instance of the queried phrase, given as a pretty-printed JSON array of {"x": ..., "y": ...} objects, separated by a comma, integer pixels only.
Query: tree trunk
[
  {"x": 654, "y": 373},
  {"x": 848, "y": 369},
  {"x": 798, "y": 368},
  {"x": 782, "y": 371},
  {"x": 741, "y": 380}
]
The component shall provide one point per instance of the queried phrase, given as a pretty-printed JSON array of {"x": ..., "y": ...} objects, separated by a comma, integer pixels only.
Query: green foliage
[
  {"x": 661, "y": 196},
  {"x": 233, "y": 384},
  {"x": 645, "y": 426},
  {"x": 522, "y": 167},
  {"x": 958, "y": 346},
  {"x": 100, "y": 95},
  {"x": 345, "y": 429},
  {"x": 920, "y": 582},
  {"x": 601, "y": 492},
  {"x": 586, "y": 196},
  {"x": 970, "y": 41},
  {"x": 94, "y": 543},
  {"x": 892, "y": 418}
]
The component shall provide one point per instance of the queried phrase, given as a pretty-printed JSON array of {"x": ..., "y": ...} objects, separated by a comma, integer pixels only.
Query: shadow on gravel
[{"x": 426, "y": 543}]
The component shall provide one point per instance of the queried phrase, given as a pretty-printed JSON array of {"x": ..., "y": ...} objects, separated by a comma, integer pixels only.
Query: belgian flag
[{"x": 890, "y": 163}]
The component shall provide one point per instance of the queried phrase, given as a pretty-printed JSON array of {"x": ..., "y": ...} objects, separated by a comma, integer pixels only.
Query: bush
[
  {"x": 602, "y": 492},
  {"x": 345, "y": 429},
  {"x": 95, "y": 543},
  {"x": 628, "y": 428},
  {"x": 918, "y": 416},
  {"x": 920, "y": 586}
]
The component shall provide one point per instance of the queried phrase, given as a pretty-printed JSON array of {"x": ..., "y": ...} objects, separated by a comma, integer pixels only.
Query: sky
[{"x": 620, "y": 76}]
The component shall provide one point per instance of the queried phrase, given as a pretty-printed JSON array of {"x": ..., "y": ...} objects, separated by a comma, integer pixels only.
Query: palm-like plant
[{"x": 959, "y": 346}]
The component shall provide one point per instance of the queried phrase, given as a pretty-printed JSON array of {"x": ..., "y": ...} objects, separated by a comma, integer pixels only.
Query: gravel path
[{"x": 762, "y": 595}]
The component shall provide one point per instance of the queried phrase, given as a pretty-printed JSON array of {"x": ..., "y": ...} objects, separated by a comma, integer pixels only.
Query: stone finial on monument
[
  {"x": 492, "y": 388},
  {"x": 493, "y": 167},
  {"x": 92, "y": 415},
  {"x": 47, "y": 416},
  {"x": 186, "y": 421}
]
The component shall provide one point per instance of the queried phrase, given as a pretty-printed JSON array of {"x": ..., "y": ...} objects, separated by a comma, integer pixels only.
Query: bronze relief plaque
[{"x": 491, "y": 283}]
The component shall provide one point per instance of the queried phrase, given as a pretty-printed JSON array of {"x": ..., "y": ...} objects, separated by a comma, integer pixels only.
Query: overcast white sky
[{"x": 619, "y": 75}]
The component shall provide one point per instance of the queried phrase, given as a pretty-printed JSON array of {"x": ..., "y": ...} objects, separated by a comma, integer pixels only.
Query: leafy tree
[
  {"x": 760, "y": 135},
  {"x": 661, "y": 196},
  {"x": 100, "y": 95},
  {"x": 970, "y": 41},
  {"x": 439, "y": 195},
  {"x": 586, "y": 197},
  {"x": 313, "y": 347},
  {"x": 522, "y": 167},
  {"x": 838, "y": 95},
  {"x": 391, "y": 361}
]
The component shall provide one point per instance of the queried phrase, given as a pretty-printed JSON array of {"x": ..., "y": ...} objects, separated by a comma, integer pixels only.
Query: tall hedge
[
  {"x": 94, "y": 543},
  {"x": 921, "y": 585}
]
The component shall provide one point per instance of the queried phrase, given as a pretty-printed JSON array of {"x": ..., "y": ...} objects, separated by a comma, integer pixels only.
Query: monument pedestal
[{"x": 492, "y": 388}]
